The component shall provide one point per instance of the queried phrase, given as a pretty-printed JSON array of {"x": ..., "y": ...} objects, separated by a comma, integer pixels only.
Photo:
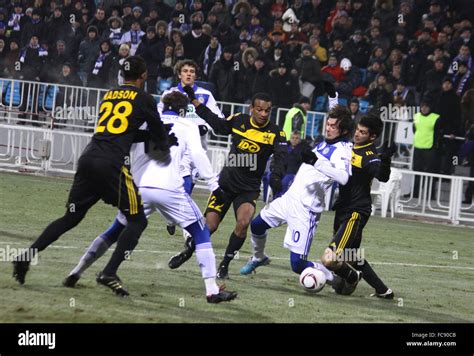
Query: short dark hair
[
  {"x": 175, "y": 101},
  {"x": 343, "y": 118},
  {"x": 373, "y": 123},
  {"x": 133, "y": 67},
  {"x": 185, "y": 62},
  {"x": 261, "y": 96}
]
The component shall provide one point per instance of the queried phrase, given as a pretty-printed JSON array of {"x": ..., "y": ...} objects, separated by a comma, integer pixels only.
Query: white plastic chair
[{"x": 388, "y": 192}]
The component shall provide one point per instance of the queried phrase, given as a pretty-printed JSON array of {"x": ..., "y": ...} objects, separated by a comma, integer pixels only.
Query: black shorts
[
  {"x": 348, "y": 226},
  {"x": 221, "y": 207},
  {"x": 98, "y": 178}
]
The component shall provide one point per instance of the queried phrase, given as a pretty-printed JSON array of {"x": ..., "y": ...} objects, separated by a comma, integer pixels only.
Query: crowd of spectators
[
  {"x": 385, "y": 52},
  {"x": 382, "y": 51}
]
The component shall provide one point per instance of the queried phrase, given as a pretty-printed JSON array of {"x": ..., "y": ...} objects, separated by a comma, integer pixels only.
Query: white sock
[
  {"x": 207, "y": 263},
  {"x": 211, "y": 286},
  {"x": 258, "y": 246},
  {"x": 329, "y": 275},
  {"x": 95, "y": 250}
]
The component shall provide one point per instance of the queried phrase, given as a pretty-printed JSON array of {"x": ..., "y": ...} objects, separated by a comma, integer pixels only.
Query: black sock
[
  {"x": 126, "y": 242},
  {"x": 54, "y": 230},
  {"x": 371, "y": 277},
  {"x": 347, "y": 272},
  {"x": 235, "y": 243}
]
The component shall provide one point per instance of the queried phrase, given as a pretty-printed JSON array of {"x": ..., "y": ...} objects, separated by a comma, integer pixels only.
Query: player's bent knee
[
  {"x": 212, "y": 221},
  {"x": 200, "y": 235},
  {"x": 258, "y": 226},
  {"x": 212, "y": 226},
  {"x": 242, "y": 225},
  {"x": 72, "y": 219},
  {"x": 241, "y": 230}
]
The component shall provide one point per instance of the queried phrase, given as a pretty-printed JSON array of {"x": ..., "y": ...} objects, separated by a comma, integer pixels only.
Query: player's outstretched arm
[
  {"x": 153, "y": 119},
  {"x": 337, "y": 174},
  {"x": 141, "y": 136},
  {"x": 332, "y": 94},
  {"x": 339, "y": 166},
  {"x": 279, "y": 160},
  {"x": 220, "y": 126},
  {"x": 280, "y": 155},
  {"x": 212, "y": 104},
  {"x": 380, "y": 169},
  {"x": 157, "y": 130}
]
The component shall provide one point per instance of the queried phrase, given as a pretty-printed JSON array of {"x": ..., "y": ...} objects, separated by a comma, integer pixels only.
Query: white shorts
[
  {"x": 176, "y": 206},
  {"x": 302, "y": 222}
]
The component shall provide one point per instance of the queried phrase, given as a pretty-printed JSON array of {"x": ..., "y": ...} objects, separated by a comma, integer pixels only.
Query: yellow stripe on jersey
[
  {"x": 257, "y": 136},
  {"x": 356, "y": 160},
  {"x": 131, "y": 192},
  {"x": 255, "y": 125},
  {"x": 363, "y": 146},
  {"x": 347, "y": 232}
]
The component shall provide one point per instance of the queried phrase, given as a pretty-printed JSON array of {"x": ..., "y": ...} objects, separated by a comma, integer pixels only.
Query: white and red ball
[{"x": 312, "y": 280}]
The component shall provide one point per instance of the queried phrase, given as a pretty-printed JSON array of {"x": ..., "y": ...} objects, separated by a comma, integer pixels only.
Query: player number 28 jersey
[{"x": 122, "y": 111}]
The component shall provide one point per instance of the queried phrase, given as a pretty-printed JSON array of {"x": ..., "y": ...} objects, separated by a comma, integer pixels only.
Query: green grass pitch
[{"x": 429, "y": 267}]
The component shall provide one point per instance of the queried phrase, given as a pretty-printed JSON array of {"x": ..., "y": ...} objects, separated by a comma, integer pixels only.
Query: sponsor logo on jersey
[
  {"x": 356, "y": 160},
  {"x": 248, "y": 146}
]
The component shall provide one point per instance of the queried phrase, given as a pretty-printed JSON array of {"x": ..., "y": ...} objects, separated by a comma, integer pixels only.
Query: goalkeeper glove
[
  {"x": 330, "y": 89},
  {"x": 203, "y": 130},
  {"x": 188, "y": 90},
  {"x": 308, "y": 156}
]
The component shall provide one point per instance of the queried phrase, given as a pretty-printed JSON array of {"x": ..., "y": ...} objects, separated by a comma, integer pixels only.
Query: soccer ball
[{"x": 312, "y": 280}]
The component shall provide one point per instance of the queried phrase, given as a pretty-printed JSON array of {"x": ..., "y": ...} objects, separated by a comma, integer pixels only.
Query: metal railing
[
  {"x": 437, "y": 196},
  {"x": 47, "y": 134}
]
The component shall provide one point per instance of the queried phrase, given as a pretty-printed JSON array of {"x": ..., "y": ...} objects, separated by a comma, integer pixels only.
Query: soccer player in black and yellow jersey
[
  {"x": 353, "y": 208},
  {"x": 103, "y": 171},
  {"x": 255, "y": 138}
]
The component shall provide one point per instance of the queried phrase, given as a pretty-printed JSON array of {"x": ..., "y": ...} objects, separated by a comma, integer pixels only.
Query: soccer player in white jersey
[
  {"x": 301, "y": 206},
  {"x": 161, "y": 187},
  {"x": 186, "y": 71}
]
